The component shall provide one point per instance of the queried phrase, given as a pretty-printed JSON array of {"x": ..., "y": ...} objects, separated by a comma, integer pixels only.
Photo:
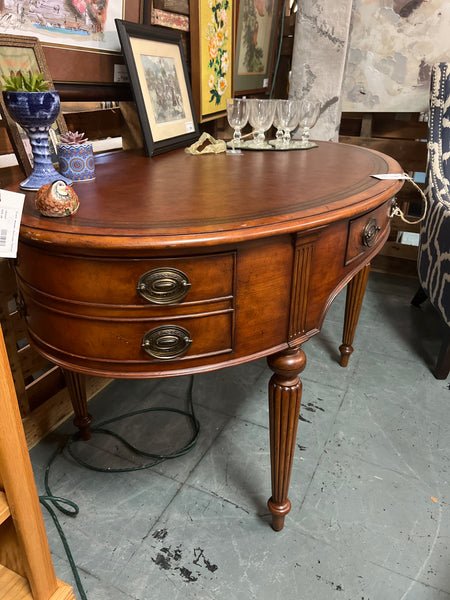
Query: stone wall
[
  {"x": 319, "y": 58},
  {"x": 394, "y": 44}
]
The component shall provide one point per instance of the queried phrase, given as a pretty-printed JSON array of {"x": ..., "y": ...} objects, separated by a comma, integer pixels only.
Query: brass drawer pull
[
  {"x": 167, "y": 342},
  {"x": 370, "y": 233},
  {"x": 163, "y": 286}
]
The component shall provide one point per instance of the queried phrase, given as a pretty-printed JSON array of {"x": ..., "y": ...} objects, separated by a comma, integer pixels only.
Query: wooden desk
[{"x": 180, "y": 264}]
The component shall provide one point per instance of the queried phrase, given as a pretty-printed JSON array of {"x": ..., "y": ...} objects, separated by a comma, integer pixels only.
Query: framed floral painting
[{"x": 212, "y": 56}]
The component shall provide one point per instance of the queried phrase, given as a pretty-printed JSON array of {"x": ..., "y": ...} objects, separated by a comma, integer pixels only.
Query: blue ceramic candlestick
[{"x": 35, "y": 112}]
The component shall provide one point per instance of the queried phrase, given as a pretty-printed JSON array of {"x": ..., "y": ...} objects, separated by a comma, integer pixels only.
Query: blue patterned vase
[
  {"x": 76, "y": 161},
  {"x": 35, "y": 112}
]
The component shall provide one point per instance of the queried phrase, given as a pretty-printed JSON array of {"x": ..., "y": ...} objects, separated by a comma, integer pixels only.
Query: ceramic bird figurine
[{"x": 56, "y": 199}]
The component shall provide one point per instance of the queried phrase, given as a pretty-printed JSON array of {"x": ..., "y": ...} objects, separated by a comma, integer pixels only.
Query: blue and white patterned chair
[{"x": 434, "y": 245}]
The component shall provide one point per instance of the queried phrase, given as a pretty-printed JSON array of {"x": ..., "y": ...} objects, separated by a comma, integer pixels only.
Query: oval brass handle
[
  {"x": 167, "y": 342},
  {"x": 163, "y": 286},
  {"x": 370, "y": 233}
]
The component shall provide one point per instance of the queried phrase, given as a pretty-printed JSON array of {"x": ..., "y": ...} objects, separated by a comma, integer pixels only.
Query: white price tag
[
  {"x": 190, "y": 126},
  {"x": 11, "y": 206},
  {"x": 121, "y": 74},
  {"x": 398, "y": 176}
]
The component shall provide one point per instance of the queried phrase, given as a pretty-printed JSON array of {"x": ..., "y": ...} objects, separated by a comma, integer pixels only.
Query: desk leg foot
[
  {"x": 76, "y": 384},
  {"x": 355, "y": 295},
  {"x": 285, "y": 390}
]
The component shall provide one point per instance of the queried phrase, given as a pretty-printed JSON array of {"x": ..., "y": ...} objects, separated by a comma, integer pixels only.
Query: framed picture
[
  {"x": 257, "y": 29},
  {"x": 73, "y": 33},
  {"x": 173, "y": 6},
  {"x": 160, "y": 85},
  {"x": 24, "y": 53},
  {"x": 212, "y": 54},
  {"x": 71, "y": 23}
]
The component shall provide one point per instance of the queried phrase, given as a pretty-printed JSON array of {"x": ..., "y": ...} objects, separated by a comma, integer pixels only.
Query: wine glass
[
  {"x": 287, "y": 114},
  {"x": 277, "y": 123},
  {"x": 261, "y": 115},
  {"x": 237, "y": 115},
  {"x": 309, "y": 113}
]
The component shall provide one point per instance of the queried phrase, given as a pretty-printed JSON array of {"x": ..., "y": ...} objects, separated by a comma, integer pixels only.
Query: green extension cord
[{"x": 70, "y": 508}]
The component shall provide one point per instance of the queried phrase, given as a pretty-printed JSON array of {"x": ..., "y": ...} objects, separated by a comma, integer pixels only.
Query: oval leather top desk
[{"x": 179, "y": 264}]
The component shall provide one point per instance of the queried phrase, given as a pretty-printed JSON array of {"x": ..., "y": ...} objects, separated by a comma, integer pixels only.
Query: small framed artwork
[
  {"x": 18, "y": 52},
  {"x": 257, "y": 29},
  {"x": 212, "y": 56},
  {"x": 160, "y": 85}
]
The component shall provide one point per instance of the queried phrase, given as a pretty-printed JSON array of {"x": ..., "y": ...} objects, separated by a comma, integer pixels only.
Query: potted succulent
[
  {"x": 34, "y": 107},
  {"x": 76, "y": 156}
]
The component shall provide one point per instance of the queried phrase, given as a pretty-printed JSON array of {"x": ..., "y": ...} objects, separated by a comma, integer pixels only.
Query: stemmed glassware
[
  {"x": 287, "y": 114},
  {"x": 279, "y": 134},
  {"x": 237, "y": 115},
  {"x": 309, "y": 113},
  {"x": 261, "y": 115}
]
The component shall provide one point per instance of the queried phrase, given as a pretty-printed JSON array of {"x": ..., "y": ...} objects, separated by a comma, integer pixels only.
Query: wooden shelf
[
  {"x": 26, "y": 568},
  {"x": 4, "y": 508},
  {"x": 13, "y": 585}
]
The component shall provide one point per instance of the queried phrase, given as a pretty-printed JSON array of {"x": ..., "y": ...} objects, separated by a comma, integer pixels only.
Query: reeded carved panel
[{"x": 304, "y": 247}]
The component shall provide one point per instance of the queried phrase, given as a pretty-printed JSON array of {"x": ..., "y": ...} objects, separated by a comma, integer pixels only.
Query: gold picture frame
[
  {"x": 19, "y": 52},
  {"x": 160, "y": 86}
]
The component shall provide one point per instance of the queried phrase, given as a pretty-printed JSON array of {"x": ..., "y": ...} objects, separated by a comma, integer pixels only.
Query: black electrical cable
[
  {"x": 157, "y": 458},
  {"x": 50, "y": 502}
]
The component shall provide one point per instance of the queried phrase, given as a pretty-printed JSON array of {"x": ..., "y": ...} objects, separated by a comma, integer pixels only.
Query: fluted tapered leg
[
  {"x": 355, "y": 295},
  {"x": 76, "y": 384},
  {"x": 285, "y": 390}
]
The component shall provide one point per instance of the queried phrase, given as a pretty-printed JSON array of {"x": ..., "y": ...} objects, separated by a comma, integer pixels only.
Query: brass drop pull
[
  {"x": 163, "y": 286},
  {"x": 370, "y": 233},
  {"x": 167, "y": 342}
]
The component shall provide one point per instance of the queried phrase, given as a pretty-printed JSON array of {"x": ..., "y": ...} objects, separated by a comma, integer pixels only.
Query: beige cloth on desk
[{"x": 210, "y": 145}]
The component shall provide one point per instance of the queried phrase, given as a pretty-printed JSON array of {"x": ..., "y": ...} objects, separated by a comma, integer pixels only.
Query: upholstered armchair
[{"x": 434, "y": 244}]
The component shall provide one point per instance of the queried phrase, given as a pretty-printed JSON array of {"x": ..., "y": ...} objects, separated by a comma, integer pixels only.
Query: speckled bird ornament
[{"x": 57, "y": 199}]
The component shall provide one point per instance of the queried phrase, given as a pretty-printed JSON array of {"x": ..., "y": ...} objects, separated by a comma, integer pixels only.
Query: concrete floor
[{"x": 369, "y": 489}]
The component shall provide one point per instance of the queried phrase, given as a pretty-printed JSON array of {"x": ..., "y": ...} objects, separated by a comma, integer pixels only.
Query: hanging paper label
[
  {"x": 398, "y": 176},
  {"x": 11, "y": 206}
]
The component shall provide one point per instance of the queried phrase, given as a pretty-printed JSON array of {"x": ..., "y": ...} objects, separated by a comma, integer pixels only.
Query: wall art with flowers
[{"x": 212, "y": 56}]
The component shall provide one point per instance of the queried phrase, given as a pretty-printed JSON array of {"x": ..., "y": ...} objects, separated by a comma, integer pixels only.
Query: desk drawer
[
  {"x": 364, "y": 232},
  {"x": 130, "y": 340},
  {"x": 116, "y": 281}
]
